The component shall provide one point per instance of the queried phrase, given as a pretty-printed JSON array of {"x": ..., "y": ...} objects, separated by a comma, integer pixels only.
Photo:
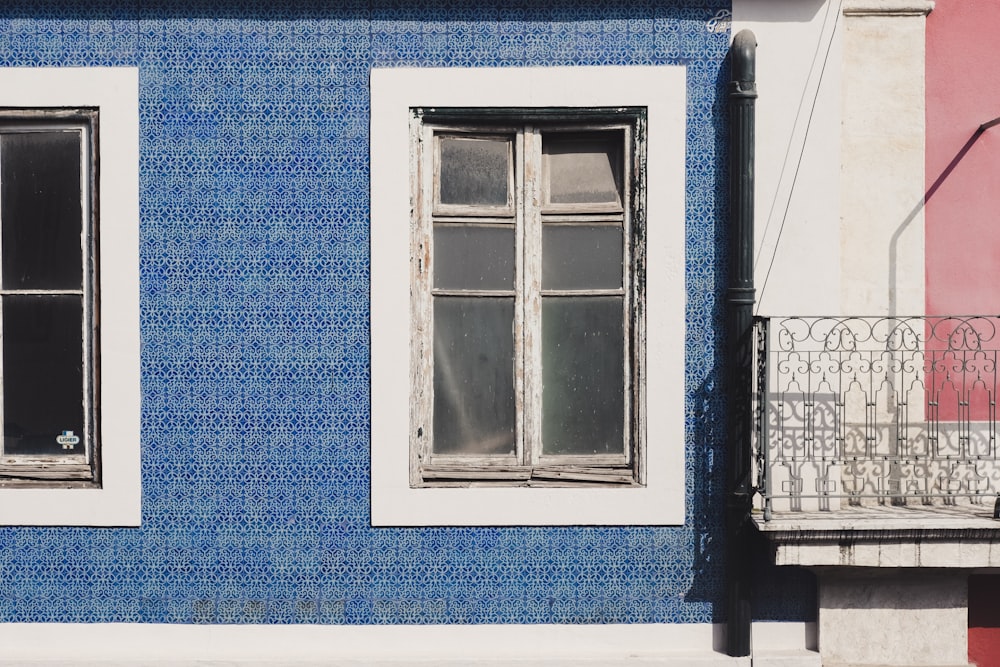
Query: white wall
[
  {"x": 798, "y": 153},
  {"x": 648, "y": 644},
  {"x": 840, "y": 155}
]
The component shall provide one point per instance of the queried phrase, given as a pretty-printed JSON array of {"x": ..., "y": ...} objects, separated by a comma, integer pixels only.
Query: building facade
[{"x": 254, "y": 484}]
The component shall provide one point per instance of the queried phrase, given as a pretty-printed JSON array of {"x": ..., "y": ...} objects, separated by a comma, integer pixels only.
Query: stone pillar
[
  {"x": 882, "y": 157},
  {"x": 878, "y": 616},
  {"x": 893, "y": 590}
]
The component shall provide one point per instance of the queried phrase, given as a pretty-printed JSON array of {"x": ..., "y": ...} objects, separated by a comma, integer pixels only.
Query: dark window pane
[
  {"x": 474, "y": 171},
  {"x": 473, "y": 375},
  {"x": 583, "y": 353},
  {"x": 41, "y": 210},
  {"x": 581, "y": 257},
  {"x": 42, "y": 374},
  {"x": 582, "y": 170},
  {"x": 473, "y": 257}
]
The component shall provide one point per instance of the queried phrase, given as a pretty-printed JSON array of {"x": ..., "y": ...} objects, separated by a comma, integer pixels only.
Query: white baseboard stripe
[{"x": 698, "y": 645}]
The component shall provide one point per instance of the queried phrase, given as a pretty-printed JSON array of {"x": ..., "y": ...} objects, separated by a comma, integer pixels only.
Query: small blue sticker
[{"x": 68, "y": 440}]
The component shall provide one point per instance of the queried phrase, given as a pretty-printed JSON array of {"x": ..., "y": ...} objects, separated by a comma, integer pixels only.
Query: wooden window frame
[
  {"x": 82, "y": 470},
  {"x": 527, "y": 213}
]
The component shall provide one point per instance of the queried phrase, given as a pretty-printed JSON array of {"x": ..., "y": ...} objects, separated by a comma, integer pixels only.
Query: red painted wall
[
  {"x": 984, "y": 620},
  {"x": 962, "y": 213},
  {"x": 963, "y": 209}
]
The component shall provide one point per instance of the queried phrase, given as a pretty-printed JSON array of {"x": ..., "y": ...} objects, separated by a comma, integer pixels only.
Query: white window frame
[
  {"x": 526, "y": 214},
  {"x": 82, "y": 465},
  {"x": 394, "y": 92},
  {"x": 116, "y": 498}
]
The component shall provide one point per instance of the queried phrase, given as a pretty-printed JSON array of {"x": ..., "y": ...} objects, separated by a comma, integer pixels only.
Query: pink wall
[{"x": 963, "y": 214}]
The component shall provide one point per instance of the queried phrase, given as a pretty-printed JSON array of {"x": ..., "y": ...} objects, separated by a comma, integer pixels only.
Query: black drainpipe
[{"x": 739, "y": 306}]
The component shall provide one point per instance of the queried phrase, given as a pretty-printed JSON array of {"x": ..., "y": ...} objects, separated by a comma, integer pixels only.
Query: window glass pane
[
  {"x": 583, "y": 354},
  {"x": 473, "y": 375},
  {"x": 42, "y": 375},
  {"x": 473, "y": 257},
  {"x": 581, "y": 257},
  {"x": 41, "y": 210},
  {"x": 582, "y": 170},
  {"x": 474, "y": 171}
]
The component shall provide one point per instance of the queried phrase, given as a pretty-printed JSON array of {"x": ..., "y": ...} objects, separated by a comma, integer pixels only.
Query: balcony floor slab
[{"x": 952, "y": 536}]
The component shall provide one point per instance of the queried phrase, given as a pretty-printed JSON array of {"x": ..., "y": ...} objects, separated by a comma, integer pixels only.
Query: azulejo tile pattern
[{"x": 255, "y": 358}]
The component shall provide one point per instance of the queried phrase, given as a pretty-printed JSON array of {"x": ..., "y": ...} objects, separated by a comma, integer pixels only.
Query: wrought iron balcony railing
[{"x": 869, "y": 411}]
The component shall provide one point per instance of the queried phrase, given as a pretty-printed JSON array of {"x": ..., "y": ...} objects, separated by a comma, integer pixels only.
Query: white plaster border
[
  {"x": 115, "y": 91},
  {"x": 662, "y": 90},
  {"x": 697, "y": 644}
]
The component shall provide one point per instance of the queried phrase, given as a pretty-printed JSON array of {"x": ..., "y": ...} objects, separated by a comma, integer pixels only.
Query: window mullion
[
  {"x": 87, "y": 242},
  {"x": 635, "y": 224},
  {"x": 3, "y": 440},
  {"x": 421, "y": 354},
  {"x": 532, "y": 301},
  {"x": 627, "y": 172},
  {"x": 521, "y": 195}
]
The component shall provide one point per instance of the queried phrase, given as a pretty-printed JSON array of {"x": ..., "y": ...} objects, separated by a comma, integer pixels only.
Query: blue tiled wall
[{"x": 255, "y": 357}]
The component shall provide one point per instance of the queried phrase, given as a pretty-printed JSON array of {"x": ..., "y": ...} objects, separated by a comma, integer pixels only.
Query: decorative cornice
[
  {"x": 875, "y": 536},
  {"x": 872, "y": 524},
  {"x": 888, "y": 7},
  {"x": 930, "y": 539}
]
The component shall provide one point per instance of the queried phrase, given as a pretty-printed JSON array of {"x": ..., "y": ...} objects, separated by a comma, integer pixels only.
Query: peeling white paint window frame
[
  {"x": 394, "y": 92},
  {"x": 526, "y": 213},
  {"x": 78, "y": 469},
  {"x": 112, "y": 498}
]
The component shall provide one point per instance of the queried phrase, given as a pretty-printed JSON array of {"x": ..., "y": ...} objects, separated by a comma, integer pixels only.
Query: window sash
[
  {"x": 81, "y": 464},
  {"x": 465, "y": 211},
  {"x": 528, "y": 215}
]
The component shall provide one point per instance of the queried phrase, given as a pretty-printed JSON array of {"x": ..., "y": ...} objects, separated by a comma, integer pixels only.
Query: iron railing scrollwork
[
  {"x": 864, "y": 410},
  {"x": 761, "y": 335}
]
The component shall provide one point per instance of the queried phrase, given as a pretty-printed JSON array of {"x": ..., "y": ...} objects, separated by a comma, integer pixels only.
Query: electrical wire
[{"x": 802, "y": 148}]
